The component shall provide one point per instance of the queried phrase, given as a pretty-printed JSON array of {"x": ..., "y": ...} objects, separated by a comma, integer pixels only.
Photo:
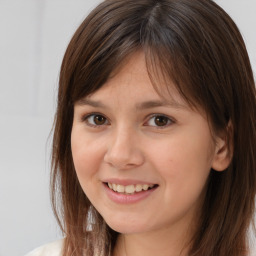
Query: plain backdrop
[{"x": 33, "y": 38}]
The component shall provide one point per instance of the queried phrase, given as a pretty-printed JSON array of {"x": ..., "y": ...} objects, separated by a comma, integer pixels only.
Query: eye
[
  {"x": 159, "y": 121},
  {"x": 96, "y": 120}
]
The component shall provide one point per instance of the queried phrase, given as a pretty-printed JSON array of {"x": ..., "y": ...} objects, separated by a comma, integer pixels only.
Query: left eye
[{"x": 159, "y": 120}]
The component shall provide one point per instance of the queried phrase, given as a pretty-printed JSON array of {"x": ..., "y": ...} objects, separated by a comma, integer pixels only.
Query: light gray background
[{"x": 33, "y": 38}]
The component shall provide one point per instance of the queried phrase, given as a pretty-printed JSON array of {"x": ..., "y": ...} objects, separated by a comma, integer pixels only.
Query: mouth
[{"x": 130, "y": 189}]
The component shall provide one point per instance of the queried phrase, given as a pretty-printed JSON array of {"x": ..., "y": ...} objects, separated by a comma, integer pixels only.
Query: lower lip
[{"x": 126, "y": 198}]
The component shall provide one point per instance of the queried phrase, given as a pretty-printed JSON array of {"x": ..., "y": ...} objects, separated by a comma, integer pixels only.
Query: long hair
[{"x": 196, "y": 45}]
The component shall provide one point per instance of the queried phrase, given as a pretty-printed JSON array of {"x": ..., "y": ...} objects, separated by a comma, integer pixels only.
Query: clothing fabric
[
  {"x": 54, "y": 249},
  {"x": 51, "y": 249}
]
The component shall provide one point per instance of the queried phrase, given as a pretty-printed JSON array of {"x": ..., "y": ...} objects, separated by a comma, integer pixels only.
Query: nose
[{"x": 124, "y": 150}]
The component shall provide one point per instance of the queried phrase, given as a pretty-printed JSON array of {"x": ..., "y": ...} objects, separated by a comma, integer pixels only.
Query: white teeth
[
  {"x": 114, "y": 187},
  {"x": 130, "y": 189},
  {"x": 120, "y": 188},
  {"x": 138, "y": 188},
  {"x": 145, "y": 187}
]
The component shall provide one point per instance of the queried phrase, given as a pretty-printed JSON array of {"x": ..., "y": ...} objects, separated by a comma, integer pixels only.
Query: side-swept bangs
[{"x": 196, "y": 46}]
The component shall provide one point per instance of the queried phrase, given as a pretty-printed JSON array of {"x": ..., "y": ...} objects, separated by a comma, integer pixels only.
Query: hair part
[{"x": 196, "y": 45}]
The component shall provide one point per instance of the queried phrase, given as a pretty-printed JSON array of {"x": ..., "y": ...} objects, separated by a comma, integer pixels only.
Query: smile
[
  {"x": 128, "y": 192},
  {"x": 130, "y": 189}
]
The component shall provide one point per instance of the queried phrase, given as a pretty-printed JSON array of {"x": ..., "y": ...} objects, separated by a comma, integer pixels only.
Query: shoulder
[
  {"x": 252, "y": 251},
  {"x": 51, "y": 249}
]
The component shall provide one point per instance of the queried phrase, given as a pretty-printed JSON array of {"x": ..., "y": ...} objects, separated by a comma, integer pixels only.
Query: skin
[{"x": 129, "y": 144}]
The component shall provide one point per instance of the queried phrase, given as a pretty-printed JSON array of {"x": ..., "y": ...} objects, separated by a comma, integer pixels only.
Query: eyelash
[
  {"x": 169, "y": 120},
  {"x": 86, "y": 119}
]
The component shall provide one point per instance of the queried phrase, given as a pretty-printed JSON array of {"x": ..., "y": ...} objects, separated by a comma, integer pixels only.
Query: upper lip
[{"x": 126, "y": 182}]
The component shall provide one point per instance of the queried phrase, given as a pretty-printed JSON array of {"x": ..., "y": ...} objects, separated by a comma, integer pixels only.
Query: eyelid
[
  {"x": 85, "y": 118},
  {"x": 170, "y": 120}
]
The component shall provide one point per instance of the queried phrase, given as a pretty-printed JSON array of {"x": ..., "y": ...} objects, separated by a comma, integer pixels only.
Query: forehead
[{"x": 137, "y": 80}]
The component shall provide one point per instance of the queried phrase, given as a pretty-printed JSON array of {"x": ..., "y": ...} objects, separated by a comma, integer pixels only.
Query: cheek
[
  {"x": 182, "y": 153},
  {"x": 86, "y": 158},
  {"x": 184, "y": 163},
  {"x": 86, "y": 155}
]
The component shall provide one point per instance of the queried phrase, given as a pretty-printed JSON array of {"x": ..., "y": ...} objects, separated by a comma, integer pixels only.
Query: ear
[{"x": 223, "y": 149}]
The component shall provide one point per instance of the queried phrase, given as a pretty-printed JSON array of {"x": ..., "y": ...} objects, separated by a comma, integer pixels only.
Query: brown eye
[
  {"x": 159, "y": 121},
  {"x": 96, "y": 120},
  {"x": 99, "y": 120}
]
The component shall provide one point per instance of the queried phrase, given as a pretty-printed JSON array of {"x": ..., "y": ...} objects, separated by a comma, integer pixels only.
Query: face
[{"x": 141, "y": 159}]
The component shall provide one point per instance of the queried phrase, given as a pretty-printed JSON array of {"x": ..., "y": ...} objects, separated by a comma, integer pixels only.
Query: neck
[{"x": 163, "y": 242}]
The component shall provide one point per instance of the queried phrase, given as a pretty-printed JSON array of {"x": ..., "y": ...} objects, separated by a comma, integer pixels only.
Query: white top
[
  {"x": 51, "y": 249},
  {"x": 54, "y": 249}
]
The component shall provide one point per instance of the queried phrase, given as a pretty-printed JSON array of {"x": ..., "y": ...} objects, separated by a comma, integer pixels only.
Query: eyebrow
[
  {"x": 139, "y": 106},
  {"x": 93, "y": 103},
  {"x": 159, "y": 103}
]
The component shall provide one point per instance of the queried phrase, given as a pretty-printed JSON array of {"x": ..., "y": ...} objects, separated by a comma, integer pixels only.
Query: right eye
[{"x": 96, "y": 120}]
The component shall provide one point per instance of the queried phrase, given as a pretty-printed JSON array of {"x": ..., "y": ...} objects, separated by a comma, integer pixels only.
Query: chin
[
  {"x": 127, "y": 226},
  {"x": 126, "y": 230}
]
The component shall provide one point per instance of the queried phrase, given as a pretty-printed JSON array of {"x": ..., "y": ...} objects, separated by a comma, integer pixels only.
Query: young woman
[{"x": 155, "y": 133}]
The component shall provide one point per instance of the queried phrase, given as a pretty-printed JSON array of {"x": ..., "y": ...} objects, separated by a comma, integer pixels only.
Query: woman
[{"x": 154, "y": 140}]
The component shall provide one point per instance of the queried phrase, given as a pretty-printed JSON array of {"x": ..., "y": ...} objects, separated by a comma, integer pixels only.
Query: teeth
[
  {"x": 120, "y": 188},
  {"x": 130, "y": 189},
  {"x": 114, "y": 187},
  {"x": 138, "y": 188},
  {"x": 145, "y": 187}
]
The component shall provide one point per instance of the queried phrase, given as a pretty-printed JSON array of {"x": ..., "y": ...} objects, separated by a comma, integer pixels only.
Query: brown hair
[{"x": 196, "y": 45}]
